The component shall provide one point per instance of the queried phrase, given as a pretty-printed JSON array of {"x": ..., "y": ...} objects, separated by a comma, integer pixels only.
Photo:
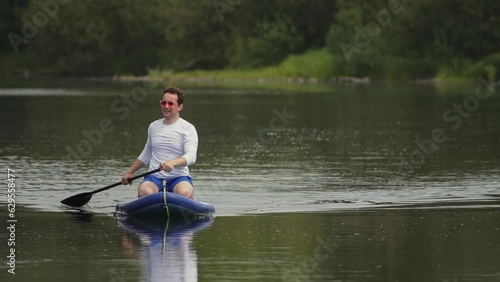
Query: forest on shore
[{"x": 389, "y": 39}]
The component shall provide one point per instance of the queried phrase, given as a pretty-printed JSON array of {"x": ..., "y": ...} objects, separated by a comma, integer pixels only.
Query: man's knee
[
  {"x": 147, "y": 188},
  {"x": 184, "y": 188}
]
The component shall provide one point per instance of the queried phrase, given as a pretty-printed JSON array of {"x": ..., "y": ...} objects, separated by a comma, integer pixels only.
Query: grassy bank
[
  {"x": 320, "y": 65},
  {"x": 311, "y": 67},
  {"x": 489, "y": 68}
]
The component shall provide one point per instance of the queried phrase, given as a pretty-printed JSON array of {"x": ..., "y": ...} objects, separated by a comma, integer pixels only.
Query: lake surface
[{"x": 340, "y": 182}]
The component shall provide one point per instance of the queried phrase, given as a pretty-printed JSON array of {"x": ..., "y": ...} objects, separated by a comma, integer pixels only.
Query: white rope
[{"x": 165, "y": 201}]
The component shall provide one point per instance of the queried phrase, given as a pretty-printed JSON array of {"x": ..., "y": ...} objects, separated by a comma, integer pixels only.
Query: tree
[
  {"x": 436, "y": 29},
  {"x": 269, "y": 31},
  {"x": 9, "y": 21},
  {"x": 102, "y": 37}
]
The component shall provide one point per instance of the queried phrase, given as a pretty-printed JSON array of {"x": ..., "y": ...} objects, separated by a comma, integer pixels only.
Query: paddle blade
[{"x": 77, "y": 200}]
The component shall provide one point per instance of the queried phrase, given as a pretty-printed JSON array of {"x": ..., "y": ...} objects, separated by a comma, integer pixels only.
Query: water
[{"x": 312, "y": 183}]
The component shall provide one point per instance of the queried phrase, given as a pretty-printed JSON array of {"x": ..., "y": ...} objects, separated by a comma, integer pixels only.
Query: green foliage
[
  {"x": 10, "y": 10},
  {"x": 405, "y": 68},
  {"x": 314, "y": 63},
  {"x": 319, "y": 64},
  {"x": 101, "y": 37},
  {"x": 266, "y": 32},
  {"x": 488, "y": 68},
  {"x": 397, "y": 39},
  {"x": 122, "y": 37},
  {"x": 455, "y": 68},
  {"x": 195, "y": 37},
  {"x": 269, "y": 45},
  {"x": 416, "y": 38}
]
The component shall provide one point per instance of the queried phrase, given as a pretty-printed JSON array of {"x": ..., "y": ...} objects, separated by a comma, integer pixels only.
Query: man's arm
[
  {"x": 131, "y": 170},
  {"x": 190, "y": 146},
  {"x": 169, "y": 166}
]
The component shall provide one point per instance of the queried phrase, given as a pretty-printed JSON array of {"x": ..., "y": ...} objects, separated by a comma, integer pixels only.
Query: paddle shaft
[{"x": 130, "y": 179}]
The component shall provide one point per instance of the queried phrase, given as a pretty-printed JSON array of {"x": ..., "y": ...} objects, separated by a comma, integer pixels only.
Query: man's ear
[{"x": 180, "y": 107}]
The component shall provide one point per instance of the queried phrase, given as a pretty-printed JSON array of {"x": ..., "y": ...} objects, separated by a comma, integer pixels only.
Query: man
[{"x": 172, "y": 145}]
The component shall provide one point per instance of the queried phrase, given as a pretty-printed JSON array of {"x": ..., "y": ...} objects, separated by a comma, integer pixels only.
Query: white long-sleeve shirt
[{"x": 168, "y": 142}]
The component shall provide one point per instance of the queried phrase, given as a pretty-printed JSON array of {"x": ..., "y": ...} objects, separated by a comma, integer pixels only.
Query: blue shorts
[{"x": 170, "y": 183}]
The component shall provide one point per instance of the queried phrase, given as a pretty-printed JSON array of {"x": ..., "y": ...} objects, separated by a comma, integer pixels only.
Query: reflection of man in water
[{"x": 165, "y": 258}]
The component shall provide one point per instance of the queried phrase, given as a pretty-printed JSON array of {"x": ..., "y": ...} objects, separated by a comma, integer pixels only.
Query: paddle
[{"x": 83, "y": 198}]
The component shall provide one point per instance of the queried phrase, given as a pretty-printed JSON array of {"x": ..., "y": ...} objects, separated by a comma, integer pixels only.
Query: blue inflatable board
[{"x": 154, "y": 206}]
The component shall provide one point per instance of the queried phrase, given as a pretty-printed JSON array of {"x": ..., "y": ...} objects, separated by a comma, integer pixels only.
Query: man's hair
[{"x": 176, "y": 91}]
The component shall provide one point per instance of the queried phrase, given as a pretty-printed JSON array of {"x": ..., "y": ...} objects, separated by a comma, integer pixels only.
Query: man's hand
[
  {"x": 126, "y": 177},
  {"x": 168, "y": 166}
]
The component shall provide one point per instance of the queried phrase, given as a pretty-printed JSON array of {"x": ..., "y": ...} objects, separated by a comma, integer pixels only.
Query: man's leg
[
  {"x": 184, "y": 188},
  {"x": 147, "y": 188}
]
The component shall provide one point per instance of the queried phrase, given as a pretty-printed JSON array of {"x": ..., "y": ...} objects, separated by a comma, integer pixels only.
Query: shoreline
[
  {"x": 282, "y": 80},
  {"x": 221, "y": 80}
]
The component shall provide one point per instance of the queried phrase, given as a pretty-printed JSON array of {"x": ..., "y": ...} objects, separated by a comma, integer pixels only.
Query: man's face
[{"x": 169, "y": 106}]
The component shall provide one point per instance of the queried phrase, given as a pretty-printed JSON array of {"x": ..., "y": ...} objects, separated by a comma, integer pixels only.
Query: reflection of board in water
[
  {"x": 164, "y": 246},
  {"x": 165, "y": 204},
  {"x": 155, "y": 226}
]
